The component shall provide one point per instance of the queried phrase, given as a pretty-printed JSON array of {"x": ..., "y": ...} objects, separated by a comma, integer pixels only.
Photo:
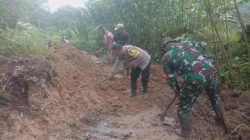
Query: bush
[{"x": 26, "y": 38}]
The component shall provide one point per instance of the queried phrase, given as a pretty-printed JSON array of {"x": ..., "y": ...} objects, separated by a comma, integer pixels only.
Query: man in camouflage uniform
[{"x": 198, "y": 75}]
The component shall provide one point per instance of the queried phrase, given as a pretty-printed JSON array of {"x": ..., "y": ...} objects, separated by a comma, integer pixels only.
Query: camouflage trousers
[{"x": 189, "y": 92}]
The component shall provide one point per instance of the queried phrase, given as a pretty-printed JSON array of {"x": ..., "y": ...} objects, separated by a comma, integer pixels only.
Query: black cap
[{"x": 116, "y": 47}]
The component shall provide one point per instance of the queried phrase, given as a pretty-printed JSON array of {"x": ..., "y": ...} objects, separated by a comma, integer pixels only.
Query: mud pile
[
  {"x": 56, "y": 98},
  {"x": 42, "y": 98}
]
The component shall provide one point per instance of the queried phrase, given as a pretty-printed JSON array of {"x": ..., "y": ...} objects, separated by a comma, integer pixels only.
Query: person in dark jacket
[{"x": 121, "y": 37}]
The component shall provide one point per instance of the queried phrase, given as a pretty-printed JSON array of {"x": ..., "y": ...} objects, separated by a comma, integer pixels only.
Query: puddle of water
[{"x": 145, "y": 125}]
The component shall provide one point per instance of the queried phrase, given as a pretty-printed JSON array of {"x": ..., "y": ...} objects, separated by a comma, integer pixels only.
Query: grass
[{"x": 26, "y": 39}]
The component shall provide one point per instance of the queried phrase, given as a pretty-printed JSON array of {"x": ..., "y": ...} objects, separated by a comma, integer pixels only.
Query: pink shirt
[{"x": 108, "y": 40}]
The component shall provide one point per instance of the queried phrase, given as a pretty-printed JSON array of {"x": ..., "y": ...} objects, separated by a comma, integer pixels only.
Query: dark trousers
[{"x": 135, "y": 73}]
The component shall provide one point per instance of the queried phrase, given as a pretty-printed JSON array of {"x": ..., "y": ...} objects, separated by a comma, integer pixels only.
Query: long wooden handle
[
  {"x": 103, "y": 80},
  {"x": 169, "y": 105},
  {"x": 111, "y": 76}
]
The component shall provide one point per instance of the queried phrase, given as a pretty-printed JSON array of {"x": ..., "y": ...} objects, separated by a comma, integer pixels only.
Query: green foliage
[
  {"x": 10, "y": 11},
  {"x": 67, "y": 17},
  {"x": 17, "y": 35},
  {"x": 215, "y": 22},
  {"x": 84, "y": 39},
  {"x": 25, "y": 38}
]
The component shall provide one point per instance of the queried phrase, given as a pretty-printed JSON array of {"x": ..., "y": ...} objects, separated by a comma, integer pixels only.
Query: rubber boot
[
  {"x": 185, "y": 124},
  {"x": 145, "y": 88},
  {"x": 220, "y": 120},
  {"x": 220, "y": 117},
  {"x": 133, "y": 89}
]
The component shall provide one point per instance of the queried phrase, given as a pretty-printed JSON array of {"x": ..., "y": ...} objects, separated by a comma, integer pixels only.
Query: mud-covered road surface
[{"x": 75, "y": 108}]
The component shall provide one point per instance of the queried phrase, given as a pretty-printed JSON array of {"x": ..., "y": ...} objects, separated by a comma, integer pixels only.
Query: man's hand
[
  {"x": 110, "y": 75},
  {"x": 130, "y": 65},
  {"x": 176, "y": 89}
]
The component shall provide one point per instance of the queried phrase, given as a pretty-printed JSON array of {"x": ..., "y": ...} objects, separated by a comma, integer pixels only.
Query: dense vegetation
[{"x": 27, "y": 25}]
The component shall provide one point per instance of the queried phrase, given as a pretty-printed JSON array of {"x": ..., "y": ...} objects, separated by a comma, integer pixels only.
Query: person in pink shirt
[{"x": 107, "y": 40}]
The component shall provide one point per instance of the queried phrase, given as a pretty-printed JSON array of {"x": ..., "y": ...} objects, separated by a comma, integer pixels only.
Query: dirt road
[{"x": 76, "y": 109}]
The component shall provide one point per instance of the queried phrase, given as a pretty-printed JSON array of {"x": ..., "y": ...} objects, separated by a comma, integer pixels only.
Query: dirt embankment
[
  {"x": 56, "y": 98},
  {"x": 53, "y": 93}
]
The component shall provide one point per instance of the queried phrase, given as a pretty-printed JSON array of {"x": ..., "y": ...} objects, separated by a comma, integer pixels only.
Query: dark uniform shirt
[{"x": 121, "y": 39}]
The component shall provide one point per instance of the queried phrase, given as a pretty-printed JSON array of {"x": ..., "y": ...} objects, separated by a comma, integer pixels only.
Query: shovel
[
  {"x": 169, "y": 121},
  {"x": 105, "y": 80},
  {"x": 108, "y": 78},
  {"x": 165, "y": 118},
  {"x": 167, "y": 108}
]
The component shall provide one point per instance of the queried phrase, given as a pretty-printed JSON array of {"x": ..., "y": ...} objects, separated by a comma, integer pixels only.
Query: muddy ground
[{"x": 56, "y": 98}]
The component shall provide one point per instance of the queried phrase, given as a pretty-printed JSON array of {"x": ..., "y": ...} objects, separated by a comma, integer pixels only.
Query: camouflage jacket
[{"x": 187, "y": 61}]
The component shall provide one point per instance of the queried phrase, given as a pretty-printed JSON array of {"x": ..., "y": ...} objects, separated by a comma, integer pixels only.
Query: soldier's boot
[
  {"x": 179, "y": 133},
  {"x": 220, "y": 117},
  {"x": 133, "y": 89},
  {"x": 220, "y": 120},
  {"x": 185, "y": 124}
]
